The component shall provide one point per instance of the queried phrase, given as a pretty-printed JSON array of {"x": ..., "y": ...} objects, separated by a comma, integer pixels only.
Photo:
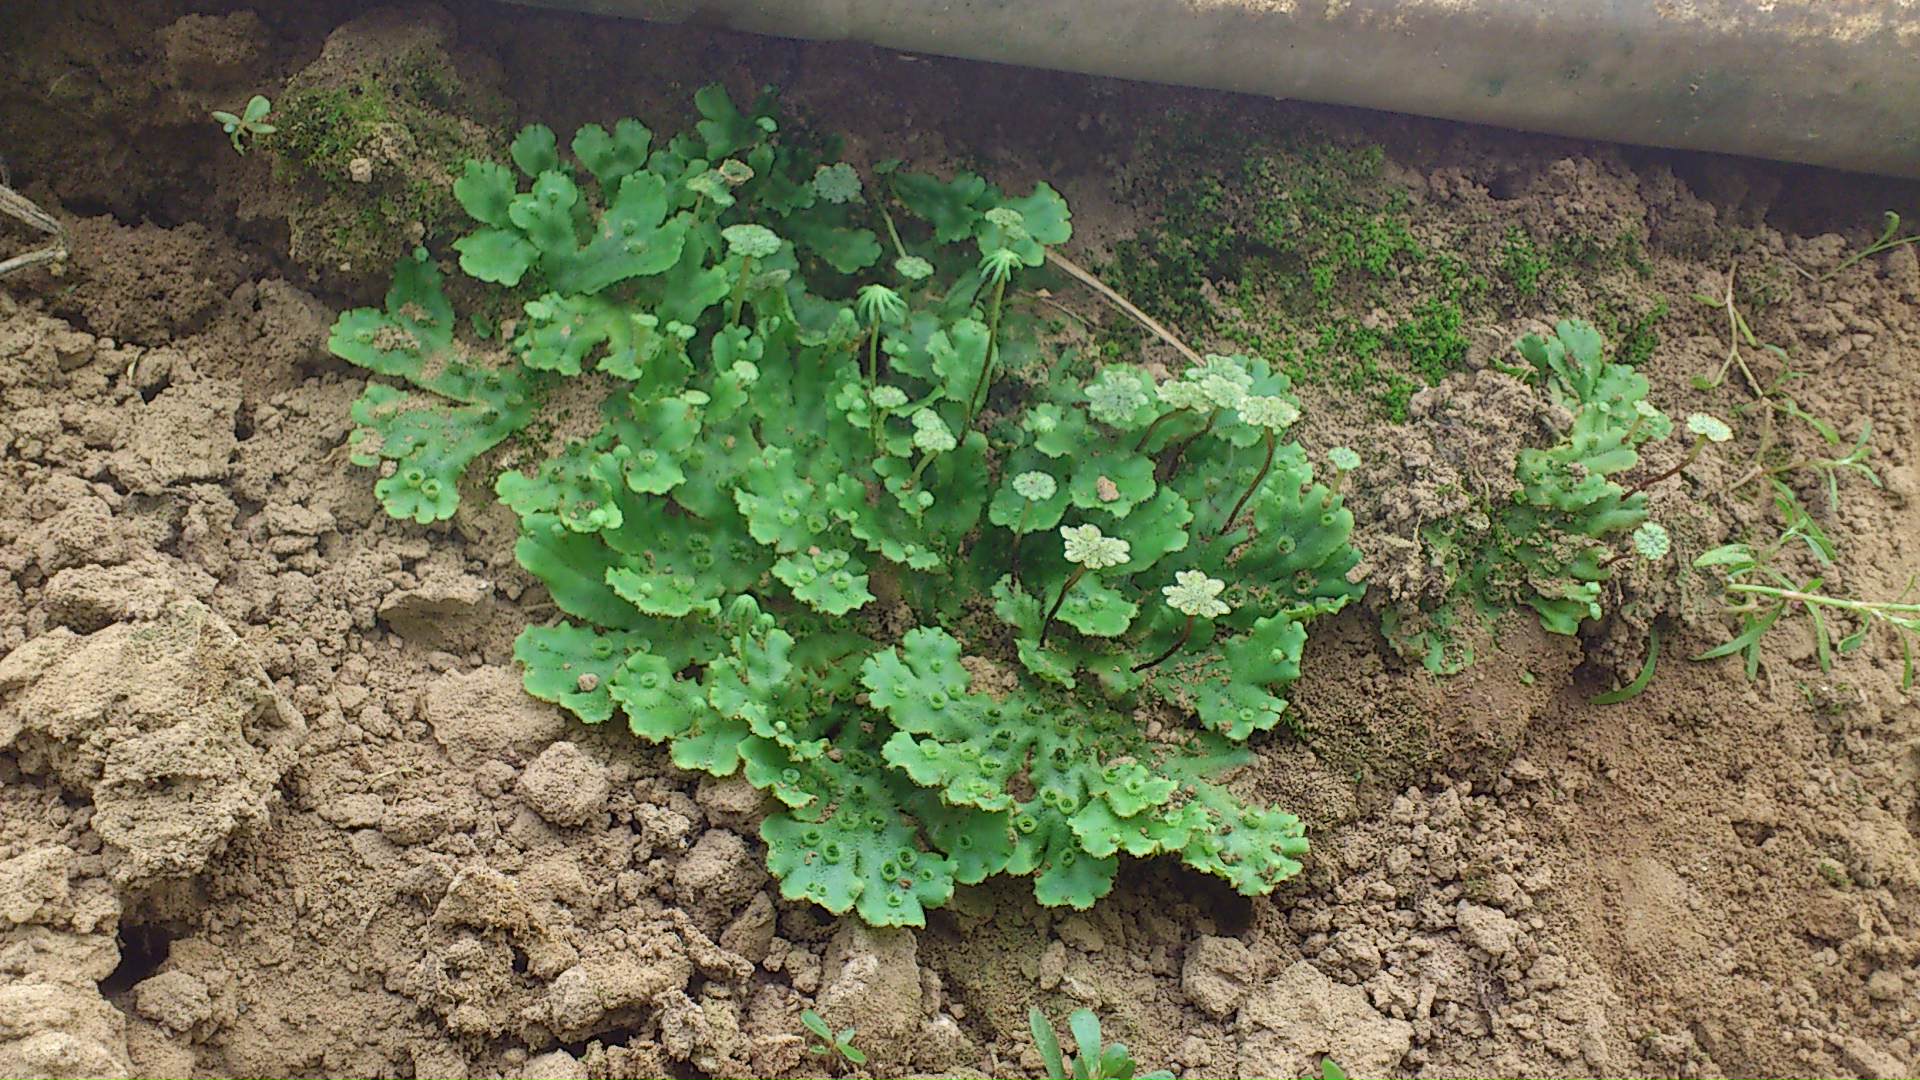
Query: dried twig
[
  {"x": 13, "y": 204},
  {"x": 1085, "y": 277}
]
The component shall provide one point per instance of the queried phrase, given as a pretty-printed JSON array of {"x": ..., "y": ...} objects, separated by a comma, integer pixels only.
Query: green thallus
[
  {"x": 761, "y": 510},
  {"x": 1518, "y": 553}
]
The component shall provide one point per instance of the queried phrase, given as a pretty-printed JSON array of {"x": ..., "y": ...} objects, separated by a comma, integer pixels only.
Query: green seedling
[
  {"x": 249, "y": 124},
  {"x": 1888, "y": 239},
  {"x": 1091, "y": 1060},
  {"x": 1331, "y": 1070},
  {"x": 1641, "y": 680},
  {"x": 828, "y": 1043},
  {"x": 784, "y": 438}
]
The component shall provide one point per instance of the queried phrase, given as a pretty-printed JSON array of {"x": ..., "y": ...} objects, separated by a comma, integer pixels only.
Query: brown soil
[{"x": 273, "y": 803}]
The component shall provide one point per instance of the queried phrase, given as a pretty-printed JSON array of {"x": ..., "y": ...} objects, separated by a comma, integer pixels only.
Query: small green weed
[
  {"x": 249, "y": 124},
  {"x": 1641, "y": 680},
  {"x": 1833, "y": 873},
  {"x": 1590, "y": 253},
  {"x": 1888, "y": 239},
  {"x": 1092, "y": 1059},
  {"x": 372, "y": 154},
  {"x": 1636, "y": 332},
  {"x": 1772, "y": 400},
  {"x": 1758, "y": 591},
  {"x": 1433, "y": 339},
  {"x": 1759, "y": 594},
  {"x": 1297, "y": 236},
  {"x": 827, "y": 1043}
]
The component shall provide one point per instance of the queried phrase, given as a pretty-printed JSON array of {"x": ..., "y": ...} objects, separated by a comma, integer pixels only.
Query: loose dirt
[{"x": 273, "y": 803}]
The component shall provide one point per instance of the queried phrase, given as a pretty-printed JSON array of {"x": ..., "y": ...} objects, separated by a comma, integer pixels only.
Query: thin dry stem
[
  {"x": 1085, "y": 277},
  {"x": 15, "y": 205}
]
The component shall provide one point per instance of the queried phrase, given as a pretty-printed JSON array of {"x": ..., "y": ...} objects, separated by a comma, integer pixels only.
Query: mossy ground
[
  {"x": 1306, "y": 250},
  {"x": 373, "y": 158}
]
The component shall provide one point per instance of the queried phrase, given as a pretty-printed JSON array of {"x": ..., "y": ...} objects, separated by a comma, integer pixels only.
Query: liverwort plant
[
  {"x": 789, "y": 431},
  {"x": 1546, "y": 547}
]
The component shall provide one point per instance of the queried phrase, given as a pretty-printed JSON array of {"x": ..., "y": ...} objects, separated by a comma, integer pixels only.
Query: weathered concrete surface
[{"x": 1828, "y": 82}]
